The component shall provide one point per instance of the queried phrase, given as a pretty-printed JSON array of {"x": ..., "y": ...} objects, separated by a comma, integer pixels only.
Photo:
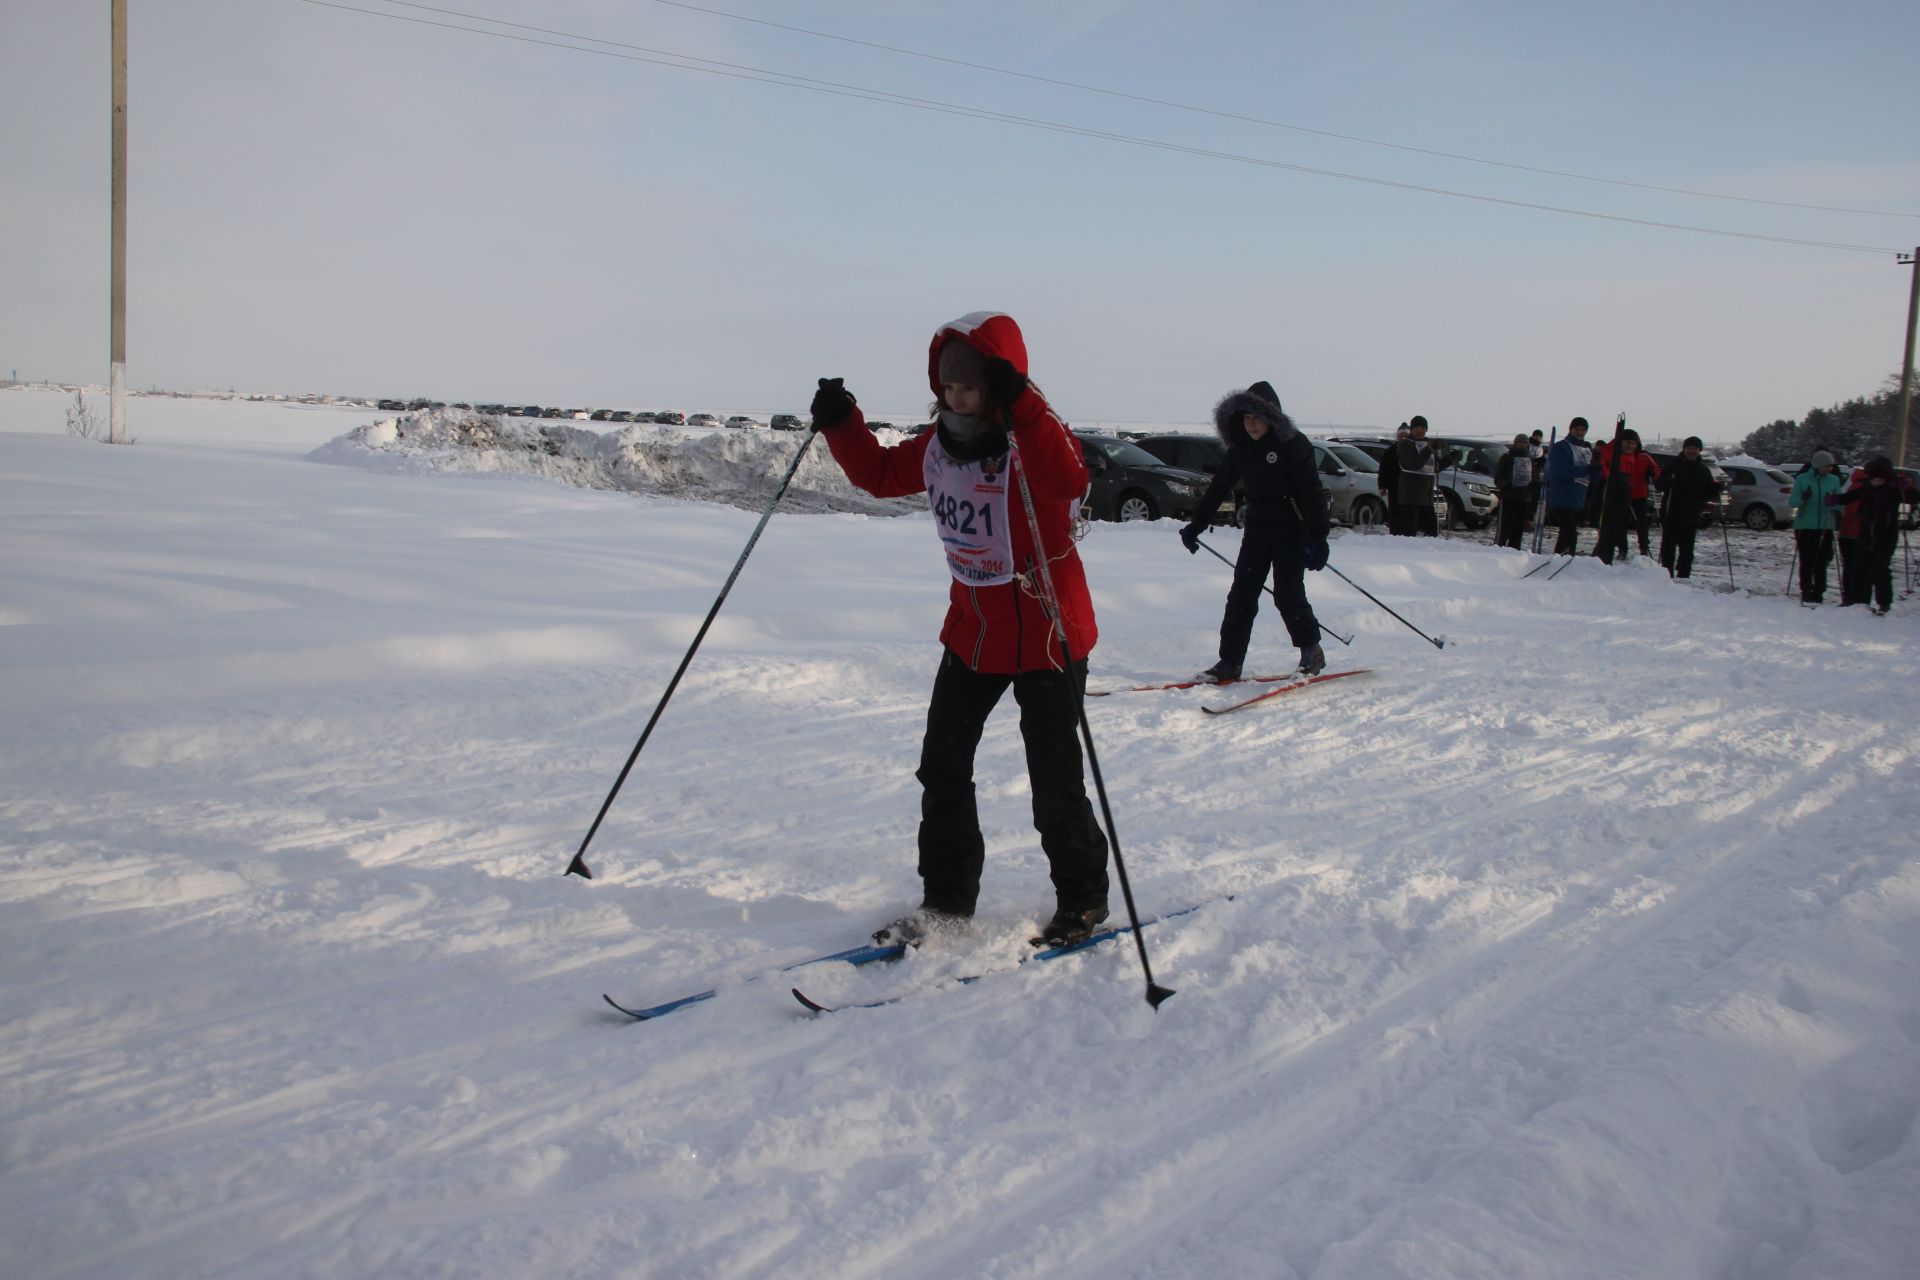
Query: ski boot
[{"x": 1069, "y": 926}]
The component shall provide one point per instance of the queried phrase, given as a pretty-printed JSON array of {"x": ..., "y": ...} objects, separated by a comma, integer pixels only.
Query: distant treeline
[{"x": 1853, "y": 431}]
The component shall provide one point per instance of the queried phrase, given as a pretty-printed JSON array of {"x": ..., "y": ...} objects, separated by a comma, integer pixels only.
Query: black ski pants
[
  {"x": 1263, "y": 552},
  {"x": 1676, "y": 546},
  {"x": 952, "y": 850},
  {"x": 1642, "y": 522},
  {"x": 1876, "y": 574},
  {"x": 1853, "y": 570},
  {"x": 1816, "y": 553},
  {"x": 1513, "y": 518},
  {"x": 1567, "y": 521}
]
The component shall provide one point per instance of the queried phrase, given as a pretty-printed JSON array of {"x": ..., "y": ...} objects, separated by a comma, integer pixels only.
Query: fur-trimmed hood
[{"x": 1226, "y": 416}]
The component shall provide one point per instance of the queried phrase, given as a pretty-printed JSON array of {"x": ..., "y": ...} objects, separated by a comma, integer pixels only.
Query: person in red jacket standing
[
  {"x": 1640, "y": 471},
  {"x": 993, "y": 428}
]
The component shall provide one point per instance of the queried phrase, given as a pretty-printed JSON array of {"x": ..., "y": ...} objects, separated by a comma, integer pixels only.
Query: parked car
[
  {"x": 670, "y": 417},
  {"x": 701, "y": 420},
  {"x": 1465, "y": 480},
  {"x": 1201, "y": 454},
  {"x": 620, "y": 415},
  {"x": 391, "y": 406},
  {"x": 741, "y": 421},
  {"x": 787, "y": 422},
  {"x": 1761, "y": 497},
  {"x": 1128, "y": 483},
  {"x": 1351, "y": 478}
]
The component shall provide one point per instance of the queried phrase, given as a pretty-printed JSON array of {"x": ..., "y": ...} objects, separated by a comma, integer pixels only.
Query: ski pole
[
  {"x": 1347, "y": 640},
  {"x": 1050, "y": 605},
  {"x": 578, "y": 867},
  {"x": 1794, "y": 562},
  {"x": 1727, "y": 542},
  {"x": 1438, "y": 644},
  {"x": 1540, "y": 507}
]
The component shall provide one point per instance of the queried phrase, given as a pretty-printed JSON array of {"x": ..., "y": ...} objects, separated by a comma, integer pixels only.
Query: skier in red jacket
[
  {"x": 993, "y": 427},
  {"x": 1640, "y": 470}
]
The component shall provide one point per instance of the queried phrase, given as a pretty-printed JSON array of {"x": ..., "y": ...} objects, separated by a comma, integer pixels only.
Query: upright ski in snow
[{"x": 1295, "y": 686}]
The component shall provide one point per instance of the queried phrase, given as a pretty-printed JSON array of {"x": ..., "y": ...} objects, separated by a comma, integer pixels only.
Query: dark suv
[
  {"x": 1128, "y": 483},
  {"x": 786, "y": 422},
  {"x": 1202, "y": 454}
]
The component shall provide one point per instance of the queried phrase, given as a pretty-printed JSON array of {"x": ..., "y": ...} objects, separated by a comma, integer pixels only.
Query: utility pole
[
  {"x": 117, "y": 433},
  {"x": 1906, "y": 369}
]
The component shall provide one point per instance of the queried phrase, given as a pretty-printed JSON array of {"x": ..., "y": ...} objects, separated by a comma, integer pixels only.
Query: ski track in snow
[{"x": 1584, "y": 947}]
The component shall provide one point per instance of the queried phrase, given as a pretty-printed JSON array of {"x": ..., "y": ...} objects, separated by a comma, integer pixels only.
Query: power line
[
  {"x": 1245, "y": 119},
  {"x": 736, "y": 71}
]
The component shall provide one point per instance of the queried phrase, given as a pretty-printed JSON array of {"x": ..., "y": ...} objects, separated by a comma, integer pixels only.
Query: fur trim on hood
[{"x": 1226, "y": 416}]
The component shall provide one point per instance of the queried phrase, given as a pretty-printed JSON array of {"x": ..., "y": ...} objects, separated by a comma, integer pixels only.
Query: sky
[{"x": 362, "y": 203}]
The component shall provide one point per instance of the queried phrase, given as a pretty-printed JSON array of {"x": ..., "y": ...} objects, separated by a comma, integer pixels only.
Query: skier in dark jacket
[
  {"x": 1418, "y": 464},
  {"x": 1569, "y": 476},
  {"x": 1879, "y": 501},
  {"x": 994, "y": 430},
  {"x": 1690, "y": 489},
  {"x": 1284, "y": 525},
  {"x": 1513, "y": 479}
]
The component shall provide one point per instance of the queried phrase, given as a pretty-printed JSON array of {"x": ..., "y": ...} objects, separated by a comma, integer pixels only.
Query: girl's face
[
  {"x": 963, "y": 400},
  {"x": 1254, "y": 425}
]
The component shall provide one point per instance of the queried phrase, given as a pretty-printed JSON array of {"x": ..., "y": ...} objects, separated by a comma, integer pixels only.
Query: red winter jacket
[
  {"x": 996, "y": 629},
  {"x": 1850, "y": 514},
  {"x": 1640, "y": 468}
]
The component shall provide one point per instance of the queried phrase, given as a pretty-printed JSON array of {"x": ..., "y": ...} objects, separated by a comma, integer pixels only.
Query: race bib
[
  {"x": 1522, "y": 471},
  {"x": 970, "y": 509}
]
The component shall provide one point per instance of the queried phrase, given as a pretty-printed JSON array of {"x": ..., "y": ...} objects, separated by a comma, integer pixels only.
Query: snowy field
[{"x": 1588, "y": 946}]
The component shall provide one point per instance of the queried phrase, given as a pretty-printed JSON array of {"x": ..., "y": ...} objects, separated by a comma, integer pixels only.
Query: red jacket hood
[{"x": 988, "y": 332}]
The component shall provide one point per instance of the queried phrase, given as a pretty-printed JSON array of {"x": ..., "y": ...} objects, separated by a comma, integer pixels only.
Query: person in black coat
[
  {"x": 1284, "y": 525},
  {"x": 1513, "y": 480},
  {"x": 1690, "y": 488},
  {"x": 1879, "y": 500},
  {"x": 1390, "y": 479}
]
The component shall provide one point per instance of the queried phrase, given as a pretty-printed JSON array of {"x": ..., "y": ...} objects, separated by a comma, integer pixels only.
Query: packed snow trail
[{"x": 1583, "y": 948}]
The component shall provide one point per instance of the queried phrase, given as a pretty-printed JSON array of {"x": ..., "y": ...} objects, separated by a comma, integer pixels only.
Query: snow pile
[{"x": 739, "y": 467}]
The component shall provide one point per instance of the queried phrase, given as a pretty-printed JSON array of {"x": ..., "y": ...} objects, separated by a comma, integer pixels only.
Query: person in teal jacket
[{"x": 1813, "y": 524}]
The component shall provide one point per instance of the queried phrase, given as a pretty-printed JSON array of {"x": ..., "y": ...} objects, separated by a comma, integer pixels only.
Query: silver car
[
  {"x": 1761, "y": 497},
  {"x": 1352, "y": 480}
]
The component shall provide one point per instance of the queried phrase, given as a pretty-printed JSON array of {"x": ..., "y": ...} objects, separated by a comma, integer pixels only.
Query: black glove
[
  {"x": 1004, "y": 382},
  {"x": 1317, "y": 556},
  {"x": 1190, "y": 537},
  {"x": 832, "y": 404}
]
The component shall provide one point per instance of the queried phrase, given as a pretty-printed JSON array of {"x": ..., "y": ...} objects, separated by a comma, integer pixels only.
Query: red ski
[
  {"x": 1285, "y": 688},
  {"x": 1191, "y": 684}
]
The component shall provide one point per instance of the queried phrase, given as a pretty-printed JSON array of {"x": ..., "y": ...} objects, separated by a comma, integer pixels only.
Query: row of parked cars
[{"x": 667, "y": 417}]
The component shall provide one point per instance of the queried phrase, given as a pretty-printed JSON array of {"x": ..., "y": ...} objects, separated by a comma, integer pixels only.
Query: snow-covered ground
[{"x": 1587, "y": 946}]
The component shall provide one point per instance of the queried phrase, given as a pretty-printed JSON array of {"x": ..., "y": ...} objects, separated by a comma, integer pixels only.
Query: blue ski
[
  {"x": 1050, "y": 953},
  {"x": 869, "y": 954}
]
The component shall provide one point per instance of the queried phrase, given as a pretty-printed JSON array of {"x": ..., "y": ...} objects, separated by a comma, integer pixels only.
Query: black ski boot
[
  {"x": 1313, "y": 661},
  {"x": 1221, "y": 672},
  {"x": 1069, "y": 926}
]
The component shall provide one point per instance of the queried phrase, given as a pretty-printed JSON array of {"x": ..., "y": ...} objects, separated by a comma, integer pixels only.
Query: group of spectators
[{"x": 1859, "y": 517}]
